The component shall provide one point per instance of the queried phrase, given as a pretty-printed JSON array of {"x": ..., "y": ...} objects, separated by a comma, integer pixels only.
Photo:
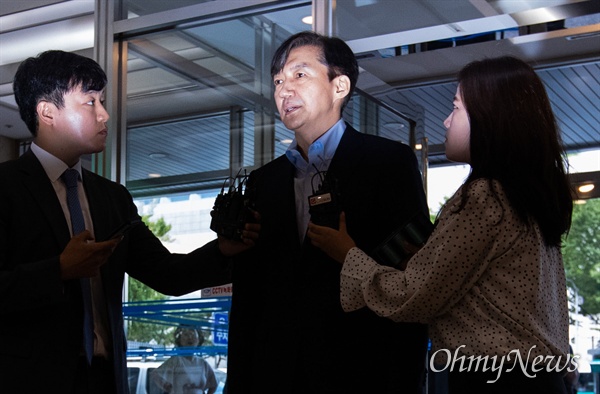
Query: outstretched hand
[
  {"x": 249, "y": 237},
  {"x": 333, "y": 242}
]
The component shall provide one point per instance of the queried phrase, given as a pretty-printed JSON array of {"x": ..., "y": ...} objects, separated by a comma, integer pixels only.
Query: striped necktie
[{"x": 70, "y": 177}]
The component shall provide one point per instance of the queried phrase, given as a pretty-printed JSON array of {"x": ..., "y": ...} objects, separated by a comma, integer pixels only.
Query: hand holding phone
[{"x": 122, "y": 230}]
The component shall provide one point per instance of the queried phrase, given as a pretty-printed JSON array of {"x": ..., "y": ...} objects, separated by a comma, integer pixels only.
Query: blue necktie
[{"x": 70, "y": 177}]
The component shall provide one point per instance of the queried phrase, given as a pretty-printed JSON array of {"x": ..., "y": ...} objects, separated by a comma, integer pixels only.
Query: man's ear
[
  {"x": 45, "y": 111},
  {"x": 342, "y": 86}
]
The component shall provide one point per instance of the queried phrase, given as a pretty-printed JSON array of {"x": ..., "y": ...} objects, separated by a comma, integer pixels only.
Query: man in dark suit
[
  {"x": 44, "y": 270},
  {"x": 288, "y": 333}
]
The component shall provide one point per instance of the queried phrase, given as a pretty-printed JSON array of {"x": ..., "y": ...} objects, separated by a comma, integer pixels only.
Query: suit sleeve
[
  {"x": 148, "y": 260},
  {"x": 383, "y": 193}
]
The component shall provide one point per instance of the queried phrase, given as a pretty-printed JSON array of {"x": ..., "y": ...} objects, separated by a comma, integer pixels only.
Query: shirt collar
[
  {"x": 320, "y": 152},
  {"x": 53, "y": 166}
]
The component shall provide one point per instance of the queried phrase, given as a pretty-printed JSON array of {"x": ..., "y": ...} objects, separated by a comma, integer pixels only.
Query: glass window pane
[
  {"x": 191, "y": 95},
  {"x": 181, "y": 147},
  {"x": 283, "y": 138},
  {"x": 248, "y": 145},
  {"x": 219, "y": 35},
  {"x": 136, "y": 8},
  {"x": 133, "y": 376},
  {"x": 182, "y": 222},
  {"x": 186, "y": 214}
]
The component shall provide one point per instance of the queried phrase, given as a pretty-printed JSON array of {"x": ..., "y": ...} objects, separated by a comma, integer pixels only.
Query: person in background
[
  {"x": 189, "y": 373},
  {"x": 60, "y": 267},
  {"x": 490, "y": 280},
  {"x": 286, "y": 317}
]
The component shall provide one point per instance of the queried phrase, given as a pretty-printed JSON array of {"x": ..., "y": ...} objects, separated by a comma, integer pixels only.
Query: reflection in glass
[
  {"x": 175, "y": 148},
  {"x": 187, "y": 214}
]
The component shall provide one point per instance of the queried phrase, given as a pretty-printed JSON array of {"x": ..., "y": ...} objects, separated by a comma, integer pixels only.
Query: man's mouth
[{"x": 289, "y": 107}]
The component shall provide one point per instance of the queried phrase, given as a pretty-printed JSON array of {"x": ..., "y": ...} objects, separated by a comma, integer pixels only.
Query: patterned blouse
[{"x": 485, "y": 283}]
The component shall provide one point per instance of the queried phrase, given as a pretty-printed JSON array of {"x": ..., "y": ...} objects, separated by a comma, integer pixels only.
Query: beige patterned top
[{"x": 485, "y": 283}]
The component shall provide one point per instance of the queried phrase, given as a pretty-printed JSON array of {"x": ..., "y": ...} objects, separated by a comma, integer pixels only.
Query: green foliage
[
  {"x": 159, "y": 228},
  {"x": 581, "y": 254},
  {"x": 142, "y": 331}
]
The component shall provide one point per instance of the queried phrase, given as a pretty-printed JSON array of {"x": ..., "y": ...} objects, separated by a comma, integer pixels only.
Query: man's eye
[
  {"x": 300, "y": 75},
  {"x": 277, "y": 82}
]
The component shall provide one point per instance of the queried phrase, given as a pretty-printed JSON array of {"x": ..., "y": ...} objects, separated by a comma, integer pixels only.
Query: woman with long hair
[{"x": 490, "y": 280}]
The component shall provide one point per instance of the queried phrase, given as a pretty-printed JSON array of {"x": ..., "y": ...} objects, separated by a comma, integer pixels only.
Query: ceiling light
[
  {"x": 157, "y": 155},
  {"x": 154, "y": 175},
  {"x": 308, "y": 20},
  {"x": 419, "y": 146},
  {"x": 362, "y": 3},
  {"x": 68, "y": 26},
  {"x": 44, "y": 15},
  {"x": 588, "y": 187},
  {"x": 393, "y": 125},
  {"x": 73, "y": 35}
]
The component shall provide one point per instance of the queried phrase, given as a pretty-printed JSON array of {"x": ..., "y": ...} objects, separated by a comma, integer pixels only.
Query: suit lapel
[
  {"x": 97, "y": 207},
  {"x": 344, "y": 166},
  {"x": 284, "y": 177},
  {"x": 37, "y": 183},
  {"x": 346, "y": 158}
]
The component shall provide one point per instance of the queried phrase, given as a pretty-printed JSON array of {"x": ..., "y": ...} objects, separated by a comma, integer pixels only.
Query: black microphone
[
  {"x": 232, "y": 209},
  {"x": 399, "y": 246},
  {"x": 324, "y": 204}
]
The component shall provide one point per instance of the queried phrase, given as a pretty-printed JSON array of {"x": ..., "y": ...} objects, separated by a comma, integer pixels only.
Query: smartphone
[{"x": 122, "y": 230}]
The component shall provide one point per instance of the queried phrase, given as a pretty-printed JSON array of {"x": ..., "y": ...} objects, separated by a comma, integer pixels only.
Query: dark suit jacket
[
  {"x": 40, "y": 315},
  {"x": 288, "y": 333}
]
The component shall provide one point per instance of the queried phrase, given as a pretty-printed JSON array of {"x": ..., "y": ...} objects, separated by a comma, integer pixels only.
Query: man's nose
[
  {"x": 285, "y": 90},
  {"x": 103, "y": 115}
]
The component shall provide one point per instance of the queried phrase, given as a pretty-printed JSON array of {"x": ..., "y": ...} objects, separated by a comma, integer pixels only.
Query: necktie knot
[{"x": 70, "y": 177}]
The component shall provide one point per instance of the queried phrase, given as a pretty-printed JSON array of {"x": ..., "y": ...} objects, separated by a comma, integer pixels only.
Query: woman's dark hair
[
  {"x": 515, "y": 140},
  {"x": 335, "y": 54},
  {"x": 180, "y": 329},
  {"x": 51, "y": 75}
]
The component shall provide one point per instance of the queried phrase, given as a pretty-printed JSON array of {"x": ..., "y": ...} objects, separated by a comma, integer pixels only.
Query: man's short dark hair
[
  {"x": 335, "y": 54},
  {"x": 50, "y": 76}
]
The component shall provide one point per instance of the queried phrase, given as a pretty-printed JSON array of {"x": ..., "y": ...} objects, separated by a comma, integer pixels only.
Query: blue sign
[{"x": 221, "y": 328}]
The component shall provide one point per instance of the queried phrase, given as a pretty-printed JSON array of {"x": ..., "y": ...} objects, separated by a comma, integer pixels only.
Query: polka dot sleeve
[
  {"x": 356, "y": 268},
  {"x": 441, "y": 273}
]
